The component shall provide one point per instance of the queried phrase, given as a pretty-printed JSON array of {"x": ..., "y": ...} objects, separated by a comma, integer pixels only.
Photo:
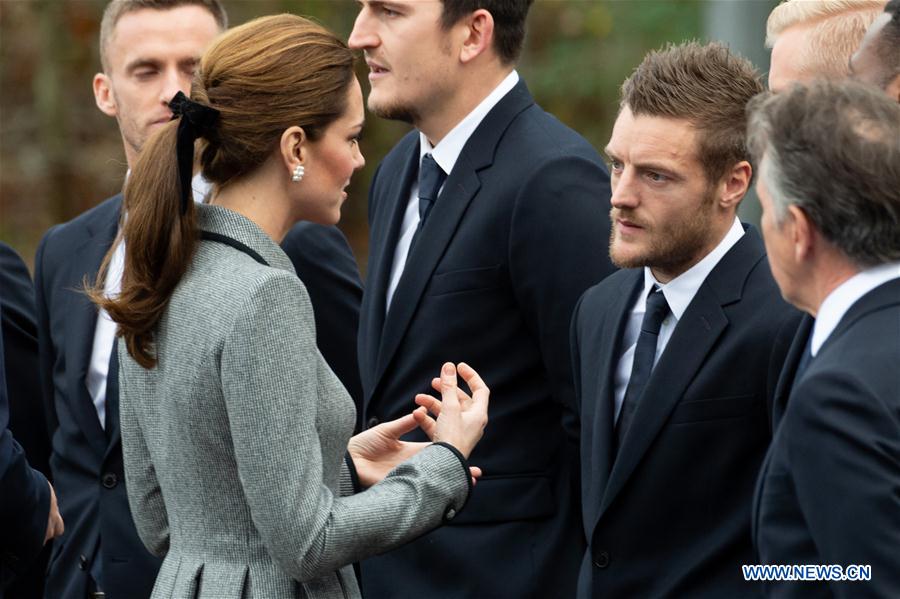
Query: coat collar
[{"x": 223, "y": 221}]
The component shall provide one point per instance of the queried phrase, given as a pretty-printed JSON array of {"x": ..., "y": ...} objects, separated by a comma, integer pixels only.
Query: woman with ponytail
[{"x": 239, "y": 460}]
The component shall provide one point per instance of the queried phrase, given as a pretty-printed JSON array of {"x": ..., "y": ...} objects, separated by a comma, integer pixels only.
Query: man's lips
[
  {"x": 625, "y": 225},
  {"x": 376, "y": 70}
]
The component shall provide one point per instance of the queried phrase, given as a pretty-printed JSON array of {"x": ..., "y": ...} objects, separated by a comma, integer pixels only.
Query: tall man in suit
[
  {"x": 828, "y": 490},
  {"x": 877, "y": 61},
  {"x": 27, "y": 421},
  {"x": 486, "y": 224},
  {"x": 149, "y": 49},
  {"x": 29, "y": 515},
  {"x": 676, "y": 357},
  {"x": 812, "y": 40}
]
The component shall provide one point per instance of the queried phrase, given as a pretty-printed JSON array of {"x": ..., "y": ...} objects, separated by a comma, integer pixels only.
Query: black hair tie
[{"x": 196, "y": 121}]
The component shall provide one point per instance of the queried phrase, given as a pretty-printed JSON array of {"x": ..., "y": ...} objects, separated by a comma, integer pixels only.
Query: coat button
[
  {"x": 601, "y": 560},
  {"x": 450, "y": 514},
  {"x": 82, "y": 562},
  {"x": 109, "y": 480},
  {"x": 373, "y": 422}
]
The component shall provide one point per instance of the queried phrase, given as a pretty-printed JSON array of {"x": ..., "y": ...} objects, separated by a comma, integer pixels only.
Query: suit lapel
[
  {"x": 373, "y": 316},
  {"x": 461, "y": 187},
  {"x": 80, "y": 337},
  {"x": 603, "y": 428},
  {"x": 696, "y": 333},
  {"x": 791, "y": 361}
]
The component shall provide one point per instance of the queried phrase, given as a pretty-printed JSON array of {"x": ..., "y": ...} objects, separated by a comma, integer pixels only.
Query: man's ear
[
  {"x": 802, "y": 233},
  {"x": 479, "y": 35},
  {"x": 893, "y": 88},
  {"x": 294, "y": 147},
  {"x": 103, "y": 95},
  {"x": 734, "y": 185}
]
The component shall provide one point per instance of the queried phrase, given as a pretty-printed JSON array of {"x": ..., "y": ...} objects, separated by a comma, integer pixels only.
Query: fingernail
[{"x": 448, "y": 369}]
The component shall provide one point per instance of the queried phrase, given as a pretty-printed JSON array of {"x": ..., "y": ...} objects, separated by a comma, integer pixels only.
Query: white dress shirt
[
  {"x": 679, "y": 293},
  {"x": 445, "y": 154},
  {"x": 842, "y": 298},
  {"x": 105, "y": 329}
]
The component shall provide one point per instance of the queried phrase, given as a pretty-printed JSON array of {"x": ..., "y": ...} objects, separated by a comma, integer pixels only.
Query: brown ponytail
[
  {"x": 160, "y": 245},
  {"x": 263, "y": 77}
]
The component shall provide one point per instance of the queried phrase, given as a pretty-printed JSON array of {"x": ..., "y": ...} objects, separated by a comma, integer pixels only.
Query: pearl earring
[{"x": 297, "y": 175}]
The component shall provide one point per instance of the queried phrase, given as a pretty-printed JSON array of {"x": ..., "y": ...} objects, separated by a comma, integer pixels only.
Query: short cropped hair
[
  {"x": 837, "y": 28},
  {"x": 833, "y": 150},
  {"x": 509, "y": 22},
  {"x": 116, "y": 9},
  {"x": 707, "y": 85}
]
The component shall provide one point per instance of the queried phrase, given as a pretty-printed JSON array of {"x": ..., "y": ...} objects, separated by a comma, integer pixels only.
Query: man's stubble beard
[{"x": 677, "y": 248}]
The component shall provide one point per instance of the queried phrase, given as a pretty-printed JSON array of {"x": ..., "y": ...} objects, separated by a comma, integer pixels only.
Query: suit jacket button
[
  {"x": 450, "y": 514},
  {"x": 601, "y": 560},
  {"x": 82, "y": 563},
  {"x": 110, "y": 480},
  {"x": 373, "y": 422}
]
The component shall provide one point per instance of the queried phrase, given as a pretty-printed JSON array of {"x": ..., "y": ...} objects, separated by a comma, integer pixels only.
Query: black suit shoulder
[{"x": 325, "y": 263}]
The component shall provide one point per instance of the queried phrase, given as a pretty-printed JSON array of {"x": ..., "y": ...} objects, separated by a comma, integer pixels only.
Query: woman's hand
[
  {"x": 378, "y": 450},
  {"x": 460, "y": 419}
]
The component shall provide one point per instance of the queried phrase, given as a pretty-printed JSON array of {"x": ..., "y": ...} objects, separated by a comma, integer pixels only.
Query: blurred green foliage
[{"x": 59, "y": 155}]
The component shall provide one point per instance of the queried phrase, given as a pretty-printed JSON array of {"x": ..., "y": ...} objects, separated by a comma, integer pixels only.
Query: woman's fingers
[
  {"x": 448, "y": 387},
  {"x": 424, "y": 421},
  {"x": 432, "y": 404},
  {"x": 399, "y": 427},
  {"x": 460, "y": 394},
  {"x": 480, "y": 391}
]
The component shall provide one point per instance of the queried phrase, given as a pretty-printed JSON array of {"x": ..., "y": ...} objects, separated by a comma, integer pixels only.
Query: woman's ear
[{"x": 294, "y": 148}]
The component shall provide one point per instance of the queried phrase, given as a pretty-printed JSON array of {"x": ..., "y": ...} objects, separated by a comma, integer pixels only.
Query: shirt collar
[
  {"x": 844, "y": 296},
  {"x": 681, "y": 290},
  {"x": 448, "y": 149}
]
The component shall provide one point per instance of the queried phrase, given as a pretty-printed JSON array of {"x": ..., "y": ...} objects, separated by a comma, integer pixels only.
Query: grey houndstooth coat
[{"x": 234, "y": 443}]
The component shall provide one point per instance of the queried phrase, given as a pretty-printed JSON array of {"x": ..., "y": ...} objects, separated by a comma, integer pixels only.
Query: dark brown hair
[
  {"x": 263, "y": 77},
  {"x": 509, "y": 22},
  {"x": 117, "y": 8},
  {"x": 708, "y": 86}
]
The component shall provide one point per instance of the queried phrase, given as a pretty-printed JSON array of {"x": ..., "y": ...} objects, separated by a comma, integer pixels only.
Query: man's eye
[
  {"x": 657, "y": 178},
  {"x": 615, "y": 166},
  {"x": 144, "y": 73}
]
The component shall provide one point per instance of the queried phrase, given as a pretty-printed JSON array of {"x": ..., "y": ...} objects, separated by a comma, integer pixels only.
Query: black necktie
[
  {"x": 431, "y": 177},
  {"x": 112, "y": 389},
  {"x": 644, "y": 353}
]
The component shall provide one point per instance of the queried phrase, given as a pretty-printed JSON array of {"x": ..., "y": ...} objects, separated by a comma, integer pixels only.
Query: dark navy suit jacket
[
  {"x": 27, "y": 421},
  {"x": 668, "y": 515},
  {"x": 24, "y": 496},
  {"x": 518, "y": 232},
  {"x": 87, "y": 461},
  {"x": 829, "y": 490}
]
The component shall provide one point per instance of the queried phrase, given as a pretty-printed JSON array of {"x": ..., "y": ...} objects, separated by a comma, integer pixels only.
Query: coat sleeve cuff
[
  {"x": 451, "y": 513},
  {"x": 349, "y": 483}
]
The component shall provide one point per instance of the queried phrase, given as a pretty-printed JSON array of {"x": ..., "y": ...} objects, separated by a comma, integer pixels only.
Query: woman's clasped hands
[{"x": 457, "y": 419}]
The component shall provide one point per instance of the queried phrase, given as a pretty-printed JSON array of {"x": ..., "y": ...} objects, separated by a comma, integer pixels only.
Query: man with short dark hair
[
  {"x": 828, "y": 489},
  {"x": 877, "y": 62},
  {"x": 677, "y": 356},
  {"x": 486, "y": 224}
]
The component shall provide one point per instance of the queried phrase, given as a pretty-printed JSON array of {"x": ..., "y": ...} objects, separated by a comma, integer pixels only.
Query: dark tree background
[{"x": 59, "y": 155}]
